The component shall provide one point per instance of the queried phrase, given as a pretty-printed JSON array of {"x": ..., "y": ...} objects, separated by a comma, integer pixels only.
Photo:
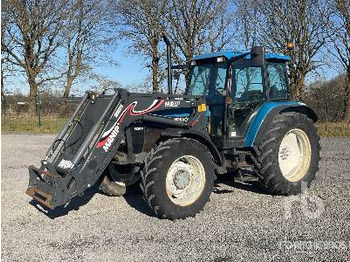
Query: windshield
[{"x": 207, "y": 78}]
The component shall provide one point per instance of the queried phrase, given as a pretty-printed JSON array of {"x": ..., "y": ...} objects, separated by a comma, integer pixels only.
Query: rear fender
[{"x": 265, "y": 115}]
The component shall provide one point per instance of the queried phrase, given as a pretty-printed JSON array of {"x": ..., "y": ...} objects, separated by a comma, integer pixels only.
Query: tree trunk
[
  {"x": 155, "y": 65},
  {"x": 32, "y": 95},
  {"x": 301, "y": 87},
  {"x": 155, "y": 73},
  {"x": 186, "y": 71},
  {"x": 297, "y": 85},
  {"x": 293, "y": 88},
  {"x": 64, "y": 102},
  {"x": 2, "y": 84},
  {"x": 346, "y": 115}
]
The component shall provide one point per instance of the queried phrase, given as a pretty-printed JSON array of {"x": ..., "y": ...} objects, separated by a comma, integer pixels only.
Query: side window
[
  {"x": 200, "y": 80},
  {"x": 278, "y": 81},
  {"x": 220, "y": 79},
  {"x": 249, "y": 84}
]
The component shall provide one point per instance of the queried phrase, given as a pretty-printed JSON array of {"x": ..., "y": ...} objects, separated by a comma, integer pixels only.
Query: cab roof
[{"x": 233, "y": 54}]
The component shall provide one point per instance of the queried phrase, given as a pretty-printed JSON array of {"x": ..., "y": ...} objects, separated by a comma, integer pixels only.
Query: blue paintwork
[
  {"x": 263, "y": 111},
  {"x": 278, "y": 56},
  {"x": 176, "y": 115},
  {"x": 177, "y": 112},
  {"x": 232, "y": 54}
]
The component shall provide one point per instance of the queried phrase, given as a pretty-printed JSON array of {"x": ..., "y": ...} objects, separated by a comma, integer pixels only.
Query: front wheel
[
  {"x": 289, "y": 154},
  {"x": 178, "y": 178}
]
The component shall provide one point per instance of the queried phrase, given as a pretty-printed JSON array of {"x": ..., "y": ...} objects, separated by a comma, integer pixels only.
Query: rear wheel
[
  {"x": 289, "y": 154},
  {"x": 178, "y": 178}
]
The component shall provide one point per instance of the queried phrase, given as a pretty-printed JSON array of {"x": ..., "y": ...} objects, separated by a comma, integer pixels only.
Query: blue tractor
[{"x": 235, "y": 115}]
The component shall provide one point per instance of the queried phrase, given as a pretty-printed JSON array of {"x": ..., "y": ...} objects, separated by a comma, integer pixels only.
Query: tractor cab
[{"x": 235, "y": 84}]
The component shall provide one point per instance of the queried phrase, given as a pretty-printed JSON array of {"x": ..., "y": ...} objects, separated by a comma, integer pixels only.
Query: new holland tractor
[{"x": 236, "y": 114}]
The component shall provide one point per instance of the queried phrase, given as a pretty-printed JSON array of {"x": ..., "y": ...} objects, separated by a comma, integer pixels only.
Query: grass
[
  {"x": 334, "y": 129},
  {"x": 51, "y": 125}
]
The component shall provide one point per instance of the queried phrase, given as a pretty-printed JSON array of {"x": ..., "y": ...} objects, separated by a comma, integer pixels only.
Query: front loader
[{"x": 236, "y": 115}]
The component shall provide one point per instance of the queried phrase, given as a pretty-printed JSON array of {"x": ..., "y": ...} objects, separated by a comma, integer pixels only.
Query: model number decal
[
  {"x": 183, "y": 119},
  {"x": 172, "y": 103},
  {"x": 65, "y": 164}
]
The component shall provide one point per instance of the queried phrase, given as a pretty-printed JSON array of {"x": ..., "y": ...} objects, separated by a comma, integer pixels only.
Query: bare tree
[
  {"x": 219, "y": 32},
  {"x": 104, "y": 84},
  {"x": 326, "y": 97},
  {"x": 340, "y": 45},
  {"x": 30, "y": 38},
  {"x": 301, "y": 22},
  {"x": 248, "y": 20},
  {"x": 141, "y": 23},
  {"x": 4, "y": 59},
  {"x": 193, "y": 24},
  {"x": 85, "y": 37}
]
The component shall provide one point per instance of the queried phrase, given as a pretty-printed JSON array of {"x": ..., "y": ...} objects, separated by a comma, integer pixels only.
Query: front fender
[
  {"x": 200, "y": 137},
  {"x": 267, "y": 112}
]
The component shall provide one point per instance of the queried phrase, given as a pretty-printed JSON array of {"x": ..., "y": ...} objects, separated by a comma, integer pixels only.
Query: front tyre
[
  {"x": 178, "y": 178},
  {"x": 289, "y": 154}
]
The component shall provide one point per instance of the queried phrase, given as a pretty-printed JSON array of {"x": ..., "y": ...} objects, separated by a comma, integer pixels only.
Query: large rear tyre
[
  {"x": 289, "y": 154},
  {"x": 178, "y": 178}
]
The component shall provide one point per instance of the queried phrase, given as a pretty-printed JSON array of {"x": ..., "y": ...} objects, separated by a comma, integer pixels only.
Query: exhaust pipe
[{"x": 168, "y": 53}]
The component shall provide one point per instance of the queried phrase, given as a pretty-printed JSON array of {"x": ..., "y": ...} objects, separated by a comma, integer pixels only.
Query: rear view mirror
[{"x": 257, "y": 56}]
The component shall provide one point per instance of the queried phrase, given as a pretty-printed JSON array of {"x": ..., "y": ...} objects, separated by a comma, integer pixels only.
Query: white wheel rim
[
  {"x": 185, "y": 180},
  {"x": 294, "y": 155}
]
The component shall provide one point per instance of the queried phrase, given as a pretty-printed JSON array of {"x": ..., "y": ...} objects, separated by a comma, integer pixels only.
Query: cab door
[
  {"x": 248, "y": 92},
  {"x": 216, "y": 102},
  {"x": 209, "y": 80}
]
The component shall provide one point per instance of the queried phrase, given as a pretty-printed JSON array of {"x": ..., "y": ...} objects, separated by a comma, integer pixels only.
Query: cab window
[
  {"x": 207, "y": 79},
  {"x": 200, "y": 80},
  {"x": 220, "y": 78},
  {"x": 248, "y": 84},
  {"x": 278, "y": 81}
]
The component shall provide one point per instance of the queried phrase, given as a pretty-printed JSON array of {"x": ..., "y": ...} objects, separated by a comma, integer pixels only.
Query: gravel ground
[{"x": 239, "y": 223}]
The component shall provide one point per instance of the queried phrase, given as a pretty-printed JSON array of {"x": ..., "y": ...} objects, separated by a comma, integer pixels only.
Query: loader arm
[{"x": 89, "y": 141}]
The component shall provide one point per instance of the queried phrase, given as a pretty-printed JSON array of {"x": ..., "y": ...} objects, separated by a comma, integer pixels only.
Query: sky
[{"x": 131, "y": 68}]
